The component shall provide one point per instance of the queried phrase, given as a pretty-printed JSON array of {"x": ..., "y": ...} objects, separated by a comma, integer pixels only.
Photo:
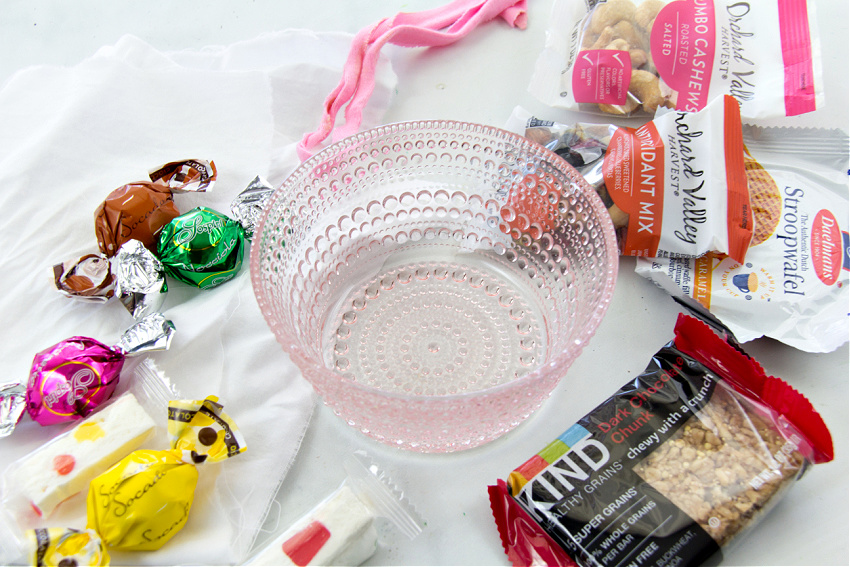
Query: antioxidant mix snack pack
[
  {"x": 675, "y": 187},
  {"x": 669, "y": 470},
  {"x": 634, "y": 56}
]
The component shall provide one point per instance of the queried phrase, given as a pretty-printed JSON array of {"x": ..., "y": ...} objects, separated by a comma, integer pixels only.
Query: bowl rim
[{"x": 568, "y": 355}]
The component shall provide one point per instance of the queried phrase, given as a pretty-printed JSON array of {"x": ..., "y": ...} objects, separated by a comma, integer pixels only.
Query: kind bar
[
  {"x": 626, "y": 57},
  {"x": 65, "y": 465},
  {"x": 138, "y": 211},
  {"x": 144, "y": 499},
  {"x": 795, "y": 283},
  {"x": 341, "y": 529},
  {"x": 673, "y": 467},
  {"x": 675, "y": 187}
]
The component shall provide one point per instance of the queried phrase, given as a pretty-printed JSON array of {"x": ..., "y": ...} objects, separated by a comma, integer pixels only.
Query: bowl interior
[{"x": 433, "y": 261}]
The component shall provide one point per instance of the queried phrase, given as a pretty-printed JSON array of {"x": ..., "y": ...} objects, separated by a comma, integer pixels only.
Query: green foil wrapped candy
[{"x": 202, "y": 248}]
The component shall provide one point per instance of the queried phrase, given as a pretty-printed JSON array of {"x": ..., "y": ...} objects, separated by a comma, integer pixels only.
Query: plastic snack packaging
[
  {"x": 675, "y": 187},
  {"x": 72, "y": 378},
  {"x": 139, "y": 210},
  {"x": 625, "y": 57},
  {"x": 144, "y": 500},
  {"x": 38, "y": 488},
  {"x": 671, "y": 469},
  {"x": 793, "y": 286},
  {"x": 341, "y": 529}
]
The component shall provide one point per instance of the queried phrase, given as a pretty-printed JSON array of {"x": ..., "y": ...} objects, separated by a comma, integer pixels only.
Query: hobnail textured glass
[{"x": 434, "y": 280}]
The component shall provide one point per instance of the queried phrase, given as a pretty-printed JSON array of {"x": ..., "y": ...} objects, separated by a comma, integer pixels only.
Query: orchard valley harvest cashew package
[{"x": 623, "y": 56}]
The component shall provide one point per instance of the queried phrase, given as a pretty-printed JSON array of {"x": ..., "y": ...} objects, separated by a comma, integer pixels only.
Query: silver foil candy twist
[{"x": 140, "y": 279}]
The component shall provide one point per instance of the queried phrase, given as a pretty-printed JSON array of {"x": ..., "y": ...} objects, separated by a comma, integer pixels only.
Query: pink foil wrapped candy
[{"x": 72, "y": 378}]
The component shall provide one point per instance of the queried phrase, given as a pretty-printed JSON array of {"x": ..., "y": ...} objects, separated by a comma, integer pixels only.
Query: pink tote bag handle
[{"x": 430, "y": 28}]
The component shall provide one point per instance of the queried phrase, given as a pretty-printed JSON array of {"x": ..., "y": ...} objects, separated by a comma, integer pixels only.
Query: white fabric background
[{"x": 70, "y": 136}]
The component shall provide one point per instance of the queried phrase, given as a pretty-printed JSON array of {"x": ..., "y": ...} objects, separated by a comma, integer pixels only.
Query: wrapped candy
[
  {"x": 139, "y": 279},
  {"x": 73, "y": 377},
  {"x": 66, "y": 547},
  {"x": 144, "y": 500},
  {"x": 88, "y": 278},
  {"x": 134, "y": 275},
  {"x": 139, "y": 210},
  {"x": 203, "y": 247},
  {"x": 248, "y": 206},
  {"x": 342, "y": 528}
]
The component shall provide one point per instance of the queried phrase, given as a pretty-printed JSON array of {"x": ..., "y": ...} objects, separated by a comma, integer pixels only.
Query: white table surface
[{"x": 481, "y": 79}]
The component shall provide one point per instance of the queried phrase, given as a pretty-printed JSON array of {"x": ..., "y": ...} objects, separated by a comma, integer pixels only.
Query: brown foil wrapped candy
[
  {"x": 88, "y": 278},
  {"x": 133, "y": 275},
  {"x": 139, "y": 210}
]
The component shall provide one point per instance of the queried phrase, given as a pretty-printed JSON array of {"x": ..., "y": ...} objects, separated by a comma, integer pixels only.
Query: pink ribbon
[{"x": 430, "y": 28}]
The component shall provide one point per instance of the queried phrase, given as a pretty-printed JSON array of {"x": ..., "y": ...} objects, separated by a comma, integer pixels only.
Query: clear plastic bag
[{"x": 341, "y": 530}]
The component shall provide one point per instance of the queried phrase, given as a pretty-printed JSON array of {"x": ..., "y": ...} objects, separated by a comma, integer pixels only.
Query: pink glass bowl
[{"x": 434, "y": 280}]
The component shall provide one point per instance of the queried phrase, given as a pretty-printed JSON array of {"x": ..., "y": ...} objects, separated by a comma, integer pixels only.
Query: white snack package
[
  {"x": 793, "y": 286},
  {"x": 632, "y": 56},
  {"x": 63, "y": 467},
  {"x": 341, "y": 530}
]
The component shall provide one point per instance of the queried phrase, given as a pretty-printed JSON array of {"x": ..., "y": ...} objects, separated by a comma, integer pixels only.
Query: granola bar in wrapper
[{"x": 671, "y": 469}]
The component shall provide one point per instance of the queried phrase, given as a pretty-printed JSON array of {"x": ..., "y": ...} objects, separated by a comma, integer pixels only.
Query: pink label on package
[
  {"x": 682, "y": 44},
  {"x": 797, "y": 57},
  {"x": 602, "y": 76}
]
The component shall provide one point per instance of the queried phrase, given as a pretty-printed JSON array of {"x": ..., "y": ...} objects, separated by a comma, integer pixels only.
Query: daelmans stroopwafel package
[
  {"x": 671, "y": 469},
  {"x": 794, "y": 285}
]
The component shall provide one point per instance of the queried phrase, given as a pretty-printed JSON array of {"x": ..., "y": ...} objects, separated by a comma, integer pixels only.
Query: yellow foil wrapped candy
[
  {"x": 144, "y": 500},
  {"x": 65, "y": 546}
]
